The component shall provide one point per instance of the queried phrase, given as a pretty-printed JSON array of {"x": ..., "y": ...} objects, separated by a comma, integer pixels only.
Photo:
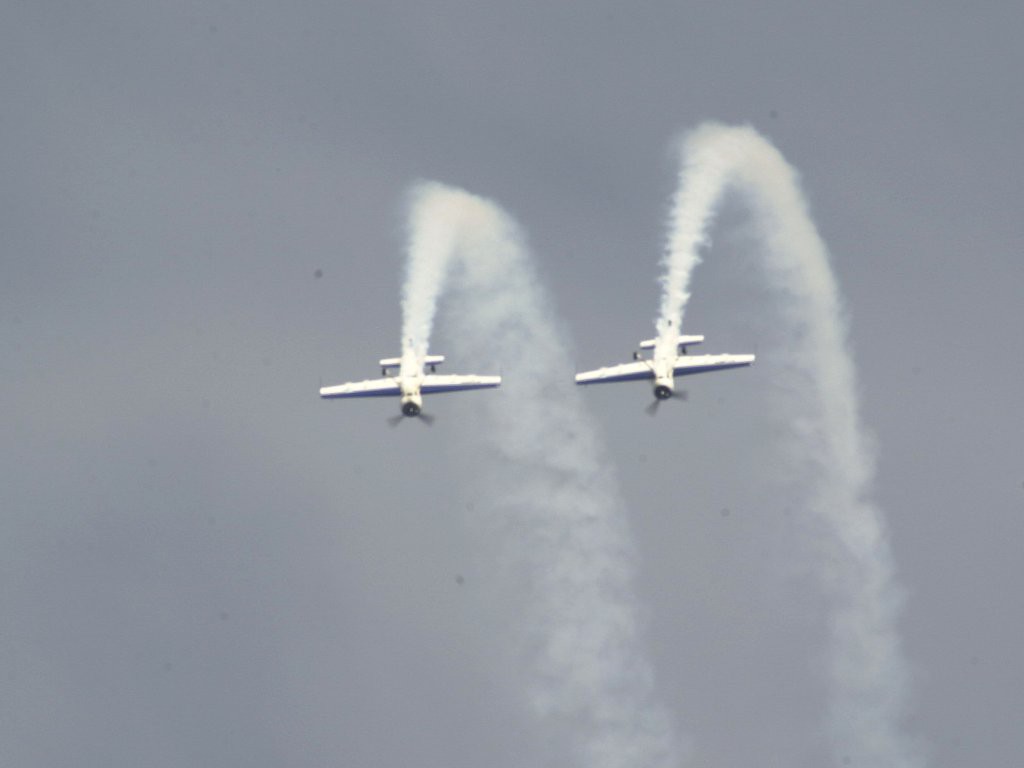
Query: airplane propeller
[
  {"x": 426, "y": 418},
  {"x": 652, "y": 408}
]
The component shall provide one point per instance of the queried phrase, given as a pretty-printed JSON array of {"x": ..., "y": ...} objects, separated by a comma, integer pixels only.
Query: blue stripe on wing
[
  {"x": 686, "y": 370},
  {"x": 433, "y": 389}
]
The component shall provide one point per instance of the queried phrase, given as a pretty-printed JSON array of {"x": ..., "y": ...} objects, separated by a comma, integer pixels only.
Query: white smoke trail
[
  {"x": 431, "y": 248},
  {"x": 546, "y": 484},
  {"x": 868, "y": 674},
  {"x": 707, "y": 166}
]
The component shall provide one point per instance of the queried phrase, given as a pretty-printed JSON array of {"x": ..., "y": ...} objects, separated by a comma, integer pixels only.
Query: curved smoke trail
[
  {"x": 868, "y": 673},
  {"x": 546, "y": 482}
]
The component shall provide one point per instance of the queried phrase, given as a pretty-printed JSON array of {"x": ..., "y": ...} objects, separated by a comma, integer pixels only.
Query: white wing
[
  {"x": 369, "y": 388},
  {"x": 641, "y": 369},
  {"x": 454, "y": 383},
  {"x": 686, "y": 365}
]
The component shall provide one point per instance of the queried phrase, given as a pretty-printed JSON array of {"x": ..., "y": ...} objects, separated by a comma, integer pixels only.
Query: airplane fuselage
[
  {"x": 410, "y": 379},
  {"x": 664, "y": 376}
]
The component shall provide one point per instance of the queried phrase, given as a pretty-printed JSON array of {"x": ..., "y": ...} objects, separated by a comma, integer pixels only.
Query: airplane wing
[
  {"x": 690, "y": 364},
  {"x": 641, "y": 369},
  {"x": 684, "y": 365},
  {"x": 369, "y": 388},
  {"x": 454, "y": 383}
]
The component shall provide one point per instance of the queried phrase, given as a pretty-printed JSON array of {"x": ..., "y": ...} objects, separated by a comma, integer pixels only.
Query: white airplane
[
  {"x": 410, "y": 383},
  {"x": 664, "y": 368}
]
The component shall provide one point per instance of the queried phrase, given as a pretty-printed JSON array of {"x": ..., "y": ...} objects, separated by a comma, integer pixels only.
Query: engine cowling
[{"x": 412, "y": 402}]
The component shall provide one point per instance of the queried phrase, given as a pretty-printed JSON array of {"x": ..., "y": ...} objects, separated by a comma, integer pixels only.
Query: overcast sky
[{"x": 203, "y": 212}]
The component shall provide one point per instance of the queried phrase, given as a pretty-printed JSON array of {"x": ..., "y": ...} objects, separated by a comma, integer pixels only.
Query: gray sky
[{"x": 203, "y": 564}]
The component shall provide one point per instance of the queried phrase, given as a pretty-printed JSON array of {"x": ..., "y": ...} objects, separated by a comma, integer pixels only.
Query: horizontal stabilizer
[
  {"x": 682, "y": 341},
  {"x": 395, "y": 362}
]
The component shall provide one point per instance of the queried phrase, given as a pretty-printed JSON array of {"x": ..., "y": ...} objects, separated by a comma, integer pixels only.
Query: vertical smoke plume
[
  {"x": 431, "y": 248},
  {"x": 568, "y": 538},
  {"x": 868, "y": 673}
]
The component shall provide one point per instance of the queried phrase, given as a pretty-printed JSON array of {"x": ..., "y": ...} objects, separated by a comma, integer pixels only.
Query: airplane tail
[{"x": 395, "y": 362}]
